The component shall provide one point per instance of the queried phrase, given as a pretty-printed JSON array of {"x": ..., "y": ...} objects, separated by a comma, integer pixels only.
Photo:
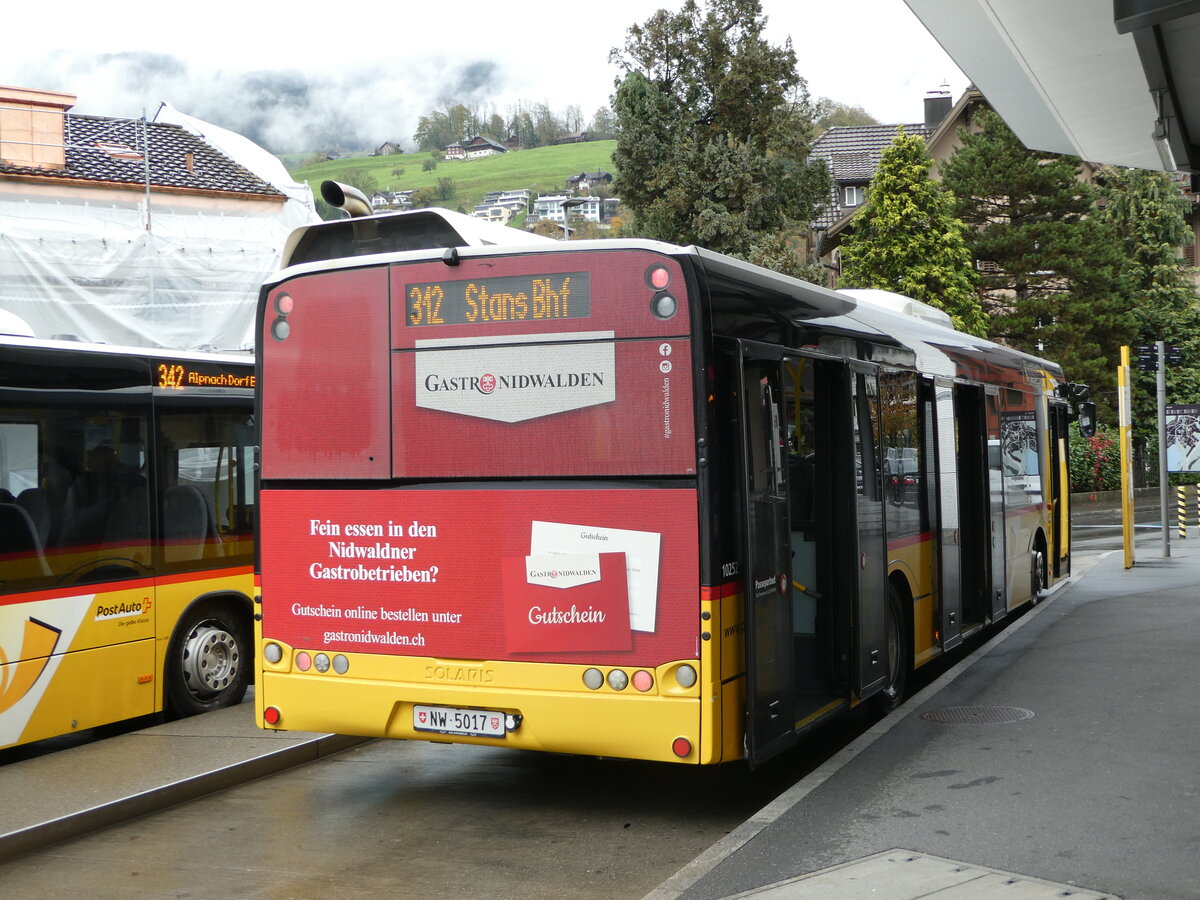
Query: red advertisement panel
[
  {"x": 535, "y": 408},
  {"x": 325, "y": 392},
  {"x": 608, "y": 577}
]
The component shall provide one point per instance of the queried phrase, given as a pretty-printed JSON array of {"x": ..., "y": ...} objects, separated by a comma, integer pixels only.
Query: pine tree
[
  {"x": 906, "y": 239},
  {"x": 1150, "y": 212},
  {"x": 1053, "y": 271}
]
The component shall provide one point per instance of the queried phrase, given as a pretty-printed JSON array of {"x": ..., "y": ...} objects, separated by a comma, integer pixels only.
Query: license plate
[{"x": 448, "y": 720}]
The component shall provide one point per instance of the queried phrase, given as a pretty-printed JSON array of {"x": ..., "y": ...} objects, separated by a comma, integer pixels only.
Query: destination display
[
  {"x": 506, "y": 298},
  {"x": 183, "y": 374}
]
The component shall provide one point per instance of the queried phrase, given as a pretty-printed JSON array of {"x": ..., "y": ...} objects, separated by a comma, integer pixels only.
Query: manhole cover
[{"x": 977, "y": 715}]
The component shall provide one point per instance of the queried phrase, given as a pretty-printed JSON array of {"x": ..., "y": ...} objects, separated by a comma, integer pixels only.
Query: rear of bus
[{"x": 479, "y": 509}]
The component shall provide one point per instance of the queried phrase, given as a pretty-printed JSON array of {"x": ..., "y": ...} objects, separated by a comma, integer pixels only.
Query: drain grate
[{"x": 977, "y": 715}]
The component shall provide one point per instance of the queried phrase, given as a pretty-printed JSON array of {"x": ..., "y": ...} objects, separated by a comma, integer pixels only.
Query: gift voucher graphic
[
  {"x": 572, "y": 601},
  {"x": 641, "y": 549}
]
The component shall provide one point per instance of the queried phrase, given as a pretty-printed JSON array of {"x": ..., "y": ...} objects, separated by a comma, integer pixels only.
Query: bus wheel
[
  {"x": 899, "y": 653},
  {"x": 1037, "y": 574},
  {"x": 208, "y": 664}
]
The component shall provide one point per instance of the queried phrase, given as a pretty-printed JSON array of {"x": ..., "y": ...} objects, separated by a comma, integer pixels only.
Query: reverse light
[
  {"x": 664, "y": 305},
  {"x": 273, "y": 653},
  {"x": 593, "y": 679},
  {"x": 685, "y": 676},
  {"x": 271, "y": 715},
  {"x": 618, "y": 680},
  {"x": 681, "y": 747},
  {"x": 321, "y": 662},
  {"x": 280, "y": 329},
  {"x": 341, "y": 664}
]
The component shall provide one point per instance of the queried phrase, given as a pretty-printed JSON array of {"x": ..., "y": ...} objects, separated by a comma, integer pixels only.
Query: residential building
[
  {"x": 151, "y": 233},
  {"x": 477, "y": 147},
  {"x": 852, "y": 154},
  {"x": 585, "y": 181},
  {"x": 382, "y": 201}
]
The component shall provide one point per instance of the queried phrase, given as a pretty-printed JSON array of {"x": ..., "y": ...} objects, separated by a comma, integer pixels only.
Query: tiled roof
[
  {"x": 111, "y": 150},
  {"x": 852, "y": 153}
]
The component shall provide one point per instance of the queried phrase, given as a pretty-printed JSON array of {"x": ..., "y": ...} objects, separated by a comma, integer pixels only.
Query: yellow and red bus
[
  {"x": 624, "y": 498},
  {"x": 126, "y": 534}
]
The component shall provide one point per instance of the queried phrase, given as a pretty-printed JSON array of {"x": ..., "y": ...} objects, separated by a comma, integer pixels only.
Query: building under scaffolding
[{"x": 134, "y": 231}]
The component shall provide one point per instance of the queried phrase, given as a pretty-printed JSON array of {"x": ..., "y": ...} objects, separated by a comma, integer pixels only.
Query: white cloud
[{"x": 299, "y": 83}]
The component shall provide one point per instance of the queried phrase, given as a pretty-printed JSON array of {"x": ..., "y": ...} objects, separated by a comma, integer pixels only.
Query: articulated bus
[
  {"x": 126, "y": 534},
  {"x": 624, "y": 498}
]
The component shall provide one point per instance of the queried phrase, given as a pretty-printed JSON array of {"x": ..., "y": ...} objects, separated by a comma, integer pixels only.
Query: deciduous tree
[{"x": 715, "y": 128}]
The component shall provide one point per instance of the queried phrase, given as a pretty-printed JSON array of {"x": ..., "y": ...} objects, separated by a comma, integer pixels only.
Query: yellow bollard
[{"x": 1181, "y": 503}]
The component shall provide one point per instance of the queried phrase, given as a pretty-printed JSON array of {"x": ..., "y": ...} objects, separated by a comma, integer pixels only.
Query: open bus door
[
  {"x": 870, "y": 562},
  {"x": 816, "y": 565},
  {"x": 770, "y": 663},
  {"x": 995, "y": 465}
]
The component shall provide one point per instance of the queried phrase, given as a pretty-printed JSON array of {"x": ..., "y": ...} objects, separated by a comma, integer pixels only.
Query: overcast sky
[{"x": 298, "y": 78}]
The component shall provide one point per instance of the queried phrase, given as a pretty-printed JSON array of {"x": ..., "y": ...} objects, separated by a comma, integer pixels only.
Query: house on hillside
[
  {"x": 477, "y": 147},
  {"x": 388, "y": 148},
  {"x": 382, "y": 201},
  {"x": 500, "y": 215},
  {"x": 517, "y": 200},
  {"x": 585, "y": 181},
  {"x": 134, "y": 231}
]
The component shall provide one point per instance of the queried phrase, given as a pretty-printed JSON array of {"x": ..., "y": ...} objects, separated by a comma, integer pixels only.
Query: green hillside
[{"x": 543, "y": 170}]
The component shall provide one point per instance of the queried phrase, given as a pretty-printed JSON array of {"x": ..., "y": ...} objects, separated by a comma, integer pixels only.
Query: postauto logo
[{"x": 124, "y": 609}]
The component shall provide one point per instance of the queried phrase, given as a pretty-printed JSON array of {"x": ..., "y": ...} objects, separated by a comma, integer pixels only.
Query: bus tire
[
  {"x": 208, "y": 662},
  {"x": 1037, "y": 573},
  {"x": 899, "y": 653}
]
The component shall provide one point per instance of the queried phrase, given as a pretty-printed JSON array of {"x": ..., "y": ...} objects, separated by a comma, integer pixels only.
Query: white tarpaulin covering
[{"x": 92, "y": 268}]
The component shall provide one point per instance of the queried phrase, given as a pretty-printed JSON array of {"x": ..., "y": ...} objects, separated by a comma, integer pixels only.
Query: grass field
[{"x": 543, "y": 170}]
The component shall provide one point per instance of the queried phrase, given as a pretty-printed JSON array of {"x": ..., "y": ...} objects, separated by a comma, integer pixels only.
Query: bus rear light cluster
[
  {"x": 663, "y": 305},
  {"x": 322, "y": 662},
  {"x": 618, "y": 680},
  {"x": 284, "y": 304}
]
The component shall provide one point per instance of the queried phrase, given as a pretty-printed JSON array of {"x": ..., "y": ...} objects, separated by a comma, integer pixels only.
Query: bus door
[
  {"x": 869, "y": 563},
  {"x": 995, "y": 465},
  {"x": 975, "y": 525},
  {"x": 770, "y": 725},
  {"x": 948, "y": 514}
]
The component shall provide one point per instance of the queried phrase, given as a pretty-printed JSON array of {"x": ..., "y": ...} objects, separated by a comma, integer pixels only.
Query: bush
[
  {"x": 429, "y": 165},
  {"x": 1096, "y": 461}
]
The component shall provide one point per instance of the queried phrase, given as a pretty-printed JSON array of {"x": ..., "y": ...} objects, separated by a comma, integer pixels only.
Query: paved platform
[
  {"x": 1060, "y": 760},
  {"x": 78, "y": 789}
]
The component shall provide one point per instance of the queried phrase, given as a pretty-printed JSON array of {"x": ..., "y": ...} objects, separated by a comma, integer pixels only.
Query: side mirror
[{"x": 1087, "y": 419}]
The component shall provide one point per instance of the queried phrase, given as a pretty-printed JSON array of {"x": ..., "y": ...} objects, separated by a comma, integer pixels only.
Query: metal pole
[{"x": 1164, "y": 489}]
